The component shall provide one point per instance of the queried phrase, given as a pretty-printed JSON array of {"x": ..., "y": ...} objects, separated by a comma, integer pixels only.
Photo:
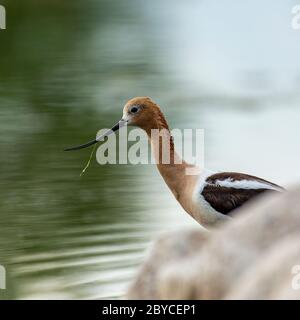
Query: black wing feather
[{"x": 226, "y": 199}]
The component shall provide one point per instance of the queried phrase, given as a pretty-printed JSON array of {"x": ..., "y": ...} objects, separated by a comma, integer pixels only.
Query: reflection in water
[{"x": 66, "y": 70}]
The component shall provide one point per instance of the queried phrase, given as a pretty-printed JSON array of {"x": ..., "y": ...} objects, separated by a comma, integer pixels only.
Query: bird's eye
[{"x": 134, "y": 110}]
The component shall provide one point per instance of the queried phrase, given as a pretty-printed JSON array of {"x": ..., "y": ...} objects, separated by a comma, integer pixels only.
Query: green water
[{"x": 66, "y": 69}]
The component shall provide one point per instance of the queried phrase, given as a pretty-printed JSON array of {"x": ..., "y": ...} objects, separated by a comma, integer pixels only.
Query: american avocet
[{"x": 209, "y": 197}]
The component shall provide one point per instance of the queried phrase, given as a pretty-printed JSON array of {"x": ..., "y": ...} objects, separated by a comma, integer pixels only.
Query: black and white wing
[{"x": 227, "y": 191}]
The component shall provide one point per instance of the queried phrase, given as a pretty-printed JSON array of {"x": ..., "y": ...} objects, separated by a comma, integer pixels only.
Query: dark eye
[{"x": 134, "y": 110}]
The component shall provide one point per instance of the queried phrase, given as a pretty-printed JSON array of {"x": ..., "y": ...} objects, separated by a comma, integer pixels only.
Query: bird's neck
[{"x": 170, "y": 165}]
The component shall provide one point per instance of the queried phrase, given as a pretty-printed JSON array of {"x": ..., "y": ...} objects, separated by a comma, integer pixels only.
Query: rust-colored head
[
  {"x": 144, "y": 113},
  {"x": 141, "y": 112}
]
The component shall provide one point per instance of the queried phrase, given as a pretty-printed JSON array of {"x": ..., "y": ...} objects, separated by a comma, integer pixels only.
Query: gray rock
[
  {"x": 230, "y": 262},
  {"x": 271, "y": 277},
  {"x": 169, "y": 250}
]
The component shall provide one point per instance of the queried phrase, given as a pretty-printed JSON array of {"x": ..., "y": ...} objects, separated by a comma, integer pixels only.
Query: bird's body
[
  {"x": 212, "y": 197},
  {"x": 209, "y": 197}
]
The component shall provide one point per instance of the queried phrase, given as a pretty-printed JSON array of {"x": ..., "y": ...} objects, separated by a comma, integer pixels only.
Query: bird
[{"x": 210, "y": 197}]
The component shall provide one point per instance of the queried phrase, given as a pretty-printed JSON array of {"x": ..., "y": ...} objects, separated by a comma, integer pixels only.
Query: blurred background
[{"x": 67, "y": 68}]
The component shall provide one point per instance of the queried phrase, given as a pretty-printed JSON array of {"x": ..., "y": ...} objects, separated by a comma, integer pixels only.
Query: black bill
[{"x": 115, "y": 128}]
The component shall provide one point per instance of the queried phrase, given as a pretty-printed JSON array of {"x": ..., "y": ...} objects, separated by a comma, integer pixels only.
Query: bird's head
[{"x": 141, "y": 112}]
